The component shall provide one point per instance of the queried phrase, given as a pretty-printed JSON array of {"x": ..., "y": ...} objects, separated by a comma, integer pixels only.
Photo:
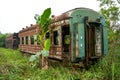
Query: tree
[
  {"x": 2, "y": 39},
  {"x": 43, "y": 22},
  {"x": 110, "y": 10}
]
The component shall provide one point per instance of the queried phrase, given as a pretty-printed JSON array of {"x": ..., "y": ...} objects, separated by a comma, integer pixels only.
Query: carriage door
[
  {"x": 66, "y": 42},
  {"x": 93, "y": 41}
]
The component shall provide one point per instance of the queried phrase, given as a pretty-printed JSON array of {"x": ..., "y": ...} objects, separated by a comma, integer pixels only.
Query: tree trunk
[{"x": 44, "y": 63}]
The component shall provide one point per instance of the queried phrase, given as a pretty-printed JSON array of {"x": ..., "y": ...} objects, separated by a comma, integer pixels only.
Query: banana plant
[{"x": 43, "y": 22}]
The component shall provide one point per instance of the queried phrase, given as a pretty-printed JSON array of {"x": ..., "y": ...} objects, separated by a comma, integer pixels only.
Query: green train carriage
[{"x": 79, "y": 35}]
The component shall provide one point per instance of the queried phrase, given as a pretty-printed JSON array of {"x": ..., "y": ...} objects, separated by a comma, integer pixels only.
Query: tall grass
[
  {"x": 12, "y": 64},
  {"x": 15, "y": 66}
]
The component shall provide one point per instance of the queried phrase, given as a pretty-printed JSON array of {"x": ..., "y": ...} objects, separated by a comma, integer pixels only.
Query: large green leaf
[
  {"x": 46, "y": 25},
  {"x": 45, "y": 16},
  {"x": 37, "y": 18},
  {"x": 47, "y": 44},
  {"x": 45, "y": 53},
  {"x": 33, "y": 58}
]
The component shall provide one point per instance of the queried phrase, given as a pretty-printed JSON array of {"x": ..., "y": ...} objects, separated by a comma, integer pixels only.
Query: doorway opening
[
  {"x": 66, "y": 38},
  {"x": 93, "y": 41}
]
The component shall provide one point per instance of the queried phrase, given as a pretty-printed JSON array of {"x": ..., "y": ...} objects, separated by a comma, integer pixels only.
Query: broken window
[
  {"x": 22, "y": 40},
  {"x": 26, "y": 39},
  {"x": 66, "y": 38},
  {"x": 56, "y": 40},
  {"x": 32, "y": 39}
]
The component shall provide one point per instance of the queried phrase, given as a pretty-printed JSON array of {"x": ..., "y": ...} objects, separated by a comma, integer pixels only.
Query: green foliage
[
  {"x": 45, "y": 53},
  {"x": 15, "y": 66},
  {"x": 113, "y": 36},
  {"x": 67, "y": 39},
  {"x": 39, "y": 39},
  {"x": 12, "y": 64},
  {"x": 33, "y": 58},
  {"x": 2, "y": 39},
  {"x": 44, "y": 20},
  {"x": 110, "y": 10},
  {"x": 113, "y": 70},
  {"x": 47, "y": 44}
]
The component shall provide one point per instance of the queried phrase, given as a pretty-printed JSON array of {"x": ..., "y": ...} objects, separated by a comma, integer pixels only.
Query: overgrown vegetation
[
  {"x": 43, "y": 22},
  {"x": 111, "y": 12},
  {"x": 15, "y": 66}
]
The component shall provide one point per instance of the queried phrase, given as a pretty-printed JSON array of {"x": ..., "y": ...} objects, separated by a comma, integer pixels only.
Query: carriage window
[
  {"x": 38, "y": 39},
  {"x": 22, "y": 40},
  {"x": 32, "y": 39},
  {"x": 66, "y": 38},
  {"x": 47, "y": 35},
  {"x": 56, "y": 40},
  {"x": 26, "y": 39},
  {"x": 14, "y": 37}
]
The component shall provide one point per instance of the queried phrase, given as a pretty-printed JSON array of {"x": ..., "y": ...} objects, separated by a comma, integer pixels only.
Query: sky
[{"x": 17, "y": 14}]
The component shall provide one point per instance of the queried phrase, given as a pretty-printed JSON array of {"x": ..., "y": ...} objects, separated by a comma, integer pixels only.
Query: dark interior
[
  {"x": 91, "y": 40},
  {"x": 66, "y": 38}
]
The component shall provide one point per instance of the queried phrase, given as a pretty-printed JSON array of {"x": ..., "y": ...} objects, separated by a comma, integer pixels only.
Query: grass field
[{"x": 15, "y": 66}]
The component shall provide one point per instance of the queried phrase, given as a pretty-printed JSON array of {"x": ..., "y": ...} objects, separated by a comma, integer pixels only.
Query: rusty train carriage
[
  {"x": 28, "y": 38},
  {"x": 12, "y": 41},
  {"x": 76, "y": 36}
]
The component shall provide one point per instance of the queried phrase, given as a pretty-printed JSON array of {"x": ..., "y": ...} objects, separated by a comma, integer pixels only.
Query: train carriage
[
  {"x": 78, "y": 35},
  {"x": 28, "y": 37},
  {"x": 12, "y": 41}
]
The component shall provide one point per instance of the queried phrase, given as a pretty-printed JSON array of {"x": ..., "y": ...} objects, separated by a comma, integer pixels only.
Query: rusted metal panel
[
  {"x": 61, "y": 17},
  {"x": 59, "y": 23},
  {"x": 30, "y": 48}
]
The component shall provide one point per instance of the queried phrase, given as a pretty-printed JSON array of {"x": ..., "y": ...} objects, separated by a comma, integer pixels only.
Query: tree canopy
[
  {"x": 2, "y": 39},
  {"x": 110, "y": 10}
]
